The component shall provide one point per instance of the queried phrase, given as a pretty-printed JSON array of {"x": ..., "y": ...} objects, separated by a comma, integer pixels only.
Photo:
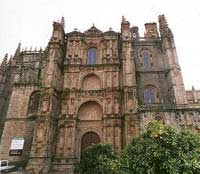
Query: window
[
  {"x": 146, "y": 60},
  {"x": 149, "y": 96},
  {"x": 34, "y": 103},
  {"x": 92, "y": 56}
]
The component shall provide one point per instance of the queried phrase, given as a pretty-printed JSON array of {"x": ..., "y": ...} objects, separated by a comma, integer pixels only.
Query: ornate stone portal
[{"x": 88, "y": 88}]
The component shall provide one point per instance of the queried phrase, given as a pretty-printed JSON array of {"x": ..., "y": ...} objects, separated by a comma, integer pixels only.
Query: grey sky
[{"x": 30, "y": 21}]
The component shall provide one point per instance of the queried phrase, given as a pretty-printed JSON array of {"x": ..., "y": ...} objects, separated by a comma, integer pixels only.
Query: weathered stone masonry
[{"x": 91, "y": 87}]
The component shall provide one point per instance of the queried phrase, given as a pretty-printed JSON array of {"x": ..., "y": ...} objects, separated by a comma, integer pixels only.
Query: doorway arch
[{"x": 89, "y": 139}]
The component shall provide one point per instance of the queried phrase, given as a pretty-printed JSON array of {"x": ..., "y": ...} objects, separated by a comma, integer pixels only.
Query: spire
[
  {"x": 162, "y": 21},
  {"x": 123, "y": 19},
  {"x": 125, "y": 28},
  {"x": 17, "y": 52},
  {"x": 4, "y": 62},
  {"x": 163, "y": 27},
  {"x": 63, "y": 22},
  {"x": 193, "y": 89}
]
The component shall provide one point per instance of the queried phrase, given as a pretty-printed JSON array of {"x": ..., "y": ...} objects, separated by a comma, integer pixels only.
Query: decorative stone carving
[
  {"x": 69, "y": 131},
  {"x": 109, "y": 134},
  {"x": 91, "y": 82},
  {"x": 109, "y": 106},
  {"x": 90, "y": 111},
  {"x": 61, "y": 140},
  {"x": 130, "y": 102},
  {"x": 39, "y": 138},
  {"x": 116, "y": 105},
  {"x": 45, "y": 106},
  {"x": 117, "y": 137}
]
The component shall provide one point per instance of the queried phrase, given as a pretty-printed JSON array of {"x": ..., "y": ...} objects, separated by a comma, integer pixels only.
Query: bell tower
[{"x": 176, "y": 87}]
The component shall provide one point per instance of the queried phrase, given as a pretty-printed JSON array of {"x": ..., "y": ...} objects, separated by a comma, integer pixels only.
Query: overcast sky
[{"x": 30, "y": 21}]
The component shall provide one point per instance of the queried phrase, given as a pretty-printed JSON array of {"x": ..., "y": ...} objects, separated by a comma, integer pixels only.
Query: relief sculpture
[
  {"x": 61, "y": 142},
  {"x": 40, "y": 133}
]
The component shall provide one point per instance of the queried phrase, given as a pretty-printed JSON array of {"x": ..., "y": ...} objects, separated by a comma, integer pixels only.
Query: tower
[
  {"x": 176, "y": 86},
  {"x": 128, "y": 81},
  {"x": 44, "y": 137}
]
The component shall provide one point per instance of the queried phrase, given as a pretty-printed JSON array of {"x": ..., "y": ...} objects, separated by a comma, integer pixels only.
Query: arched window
[
  {"x": 92, "y": 56},
  {"x": 150, "y": 95},
  {"x": 34, "y": 103},
  {"x": 146, "y": 60}
]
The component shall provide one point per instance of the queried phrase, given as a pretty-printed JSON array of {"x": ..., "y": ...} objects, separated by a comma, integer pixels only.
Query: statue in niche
[
  {"x": 61, "y": 141},
  {"x": 116, "y": 134},
  {"x": 131, "y": 128},
  {"x": 54, "y": 104},
  {"x": 45, "y": 103},
  {"x": 45, "y": 106},
  {"x": 109, "y": 106},
  {"x": 71, "y": 106},
  {"x": 76, "y": 51},
  {"x": 73, "y": 80},
  {"x": 114, "y": 80},
  {"x": 16, "y": 78},
  {"x": 131, "y": 103},
  {"x": 117, "y": 138},
  {"x": 109, "y": 131},
  {"x": 40, "y": 133},
  {"x": 69, "y": 139},
  {"x": 116, "y": 105}
]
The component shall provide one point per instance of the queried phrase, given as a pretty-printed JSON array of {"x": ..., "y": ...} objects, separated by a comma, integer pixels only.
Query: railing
[
  {"x": 150, "y": 39},
  {"x": 156, "y": 106}
]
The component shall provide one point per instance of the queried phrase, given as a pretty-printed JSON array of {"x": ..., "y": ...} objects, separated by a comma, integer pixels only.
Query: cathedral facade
[{"x": 87, "y": 88}]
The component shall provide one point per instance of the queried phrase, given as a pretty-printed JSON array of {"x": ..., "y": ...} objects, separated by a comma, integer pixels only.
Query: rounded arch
[
  {"x": 90, "y": 110},
  {"x": 141, "y": 50},
  {"x": 34, "y": 102},
  {"x": 150, "y": 94},
  {"x": 83, "y": 132},
  {"x": 89, "y": 138},
  {"x": 91, "y": 82}
]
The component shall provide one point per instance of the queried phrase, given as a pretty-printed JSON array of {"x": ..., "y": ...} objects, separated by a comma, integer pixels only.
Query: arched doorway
[{"x": 89, "y": 139}]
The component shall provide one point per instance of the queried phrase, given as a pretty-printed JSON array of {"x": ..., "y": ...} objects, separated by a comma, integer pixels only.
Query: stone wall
[
  {"x": 92, "y": 84},
  {"x": 17, "y": 124}
]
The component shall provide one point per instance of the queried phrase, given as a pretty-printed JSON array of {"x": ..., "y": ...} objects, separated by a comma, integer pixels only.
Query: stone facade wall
[
  {"x": 17, "y": 124},
  {"x": 92, "y": 84}
]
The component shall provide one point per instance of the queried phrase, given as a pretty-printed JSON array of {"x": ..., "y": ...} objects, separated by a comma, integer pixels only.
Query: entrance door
[{"x": 89, "y": 139}]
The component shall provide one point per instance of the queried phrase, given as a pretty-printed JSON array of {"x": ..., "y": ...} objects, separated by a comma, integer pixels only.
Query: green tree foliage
[
  {"x": 162, "y": 150},
  {"x": 158, "y": 150},
  {"x": 96, "y": 159}
]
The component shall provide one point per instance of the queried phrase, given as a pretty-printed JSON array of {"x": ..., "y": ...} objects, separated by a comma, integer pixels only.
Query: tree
[
  {"x": 162, "y": 150},
  {"x": 96, "y": 159}
]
